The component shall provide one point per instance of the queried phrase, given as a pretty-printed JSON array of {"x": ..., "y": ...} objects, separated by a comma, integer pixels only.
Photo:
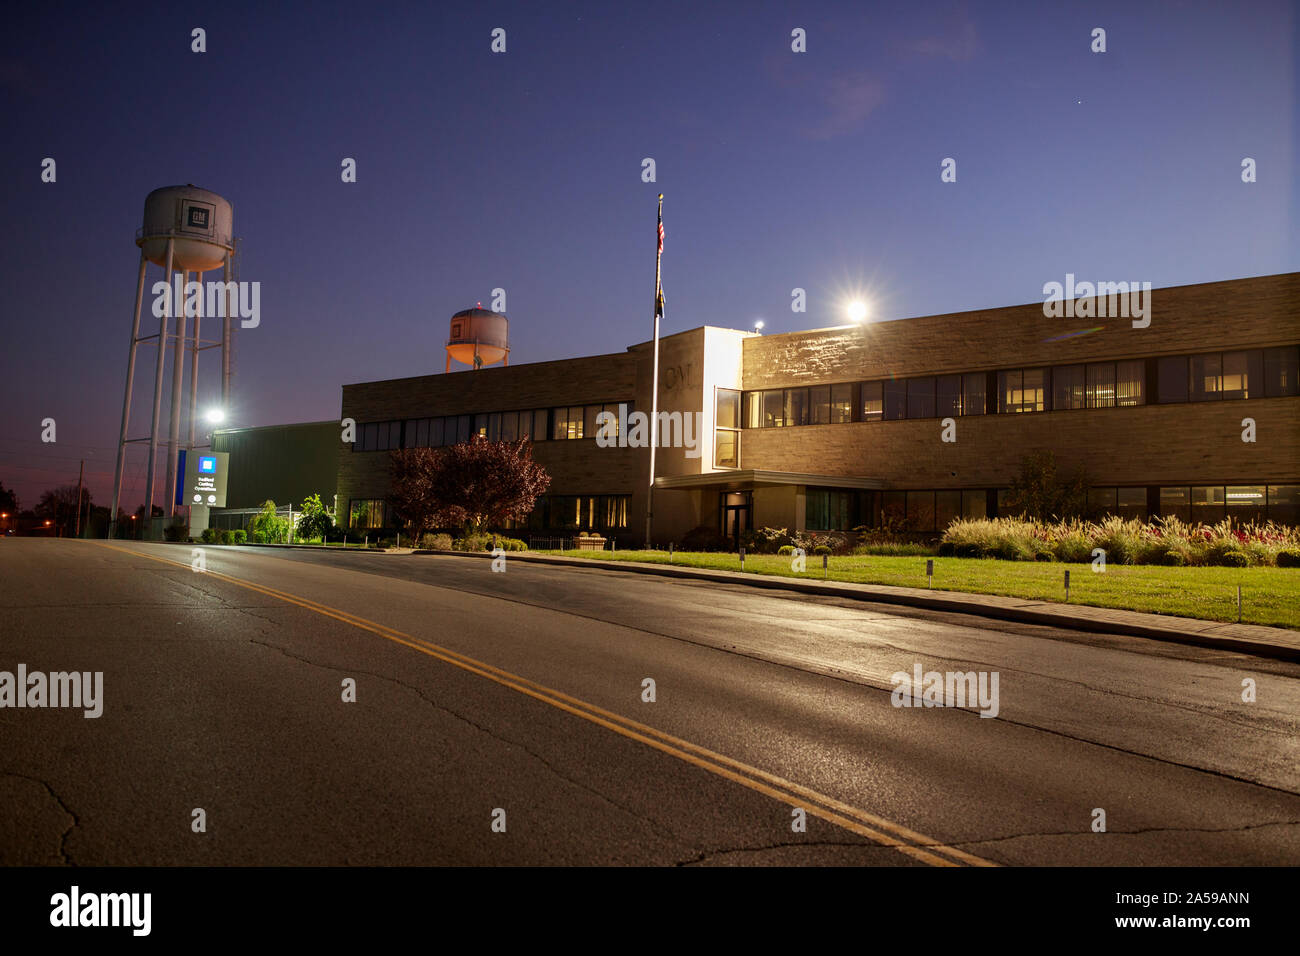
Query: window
[
  {"x": 1132, "y": 503},
  {"x": 1003, "y": 508},
  {"x": 1171, "y": 373},
  {"x": 1176, "y": 502},
  {"x": 726, "y": 435},
  {"x": 540, "y": 416},
  {"x": 367, "y": 513},
  {"x": 947, "y": 508},
  {"x": 615, "y": 512},
  {"x": 1243, "y": 374},
  {"x": 509, "y": 426},
  {"x": 1130, "y": 383},
  {"x": 481, "y": 425},
  {"x": 378, "y": 436},
  {"x": 1281, "y": 371},
  {"x": 1068, "y": 388},
  {"x": 567, "y": 422},
  {"x": 753, "y": 409},
  {"x": 841, "y": 403},
  {"x": 1021, "y": 390},
  {"x": 893, "y": 508},
  {"x": 796, "y": 406},
  {"x": 873, "y": 401},
  {"x": 1101, "y": 501},
  {"x": 973, "y": 388},
  {"x": 464, "y": 426},
  {"x": 1101, "y": 385},
  {"x": 1207, "y": 504},
  {"x": 974, "y": 504},
  {"x": 920, "y": 510},
  {"x": 948, "y": 392},
  {"x": 773, "y": 409},
  {"x": 1246, "y": 503},
  {"x": 819, "y": 398},
  {"x": 1284, "y": 504},
  {"x": 1206, "y": 378},
  {"x": 827, "y": 509},
  {"x": 895, "y": 400},
  {"x": 920, "y": 398},
  {"x": 436, "y": 431}
]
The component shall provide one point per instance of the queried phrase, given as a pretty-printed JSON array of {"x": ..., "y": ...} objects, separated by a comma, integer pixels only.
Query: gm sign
[{"x": 205, "y": 479}]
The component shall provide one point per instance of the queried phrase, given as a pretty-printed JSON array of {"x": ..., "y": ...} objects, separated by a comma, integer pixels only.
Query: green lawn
[{"x": 1269, "y": 595}]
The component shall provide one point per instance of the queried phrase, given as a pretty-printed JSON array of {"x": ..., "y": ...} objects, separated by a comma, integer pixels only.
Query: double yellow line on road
[{"x": 874, "y": 828}]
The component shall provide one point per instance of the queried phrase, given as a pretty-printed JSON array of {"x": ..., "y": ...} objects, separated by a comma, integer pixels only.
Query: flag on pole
[{"x": 659, "y": 289}]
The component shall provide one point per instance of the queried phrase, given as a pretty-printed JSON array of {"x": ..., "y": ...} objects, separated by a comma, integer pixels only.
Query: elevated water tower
[
  {"x": 187, "y": 231},
  {"x": 479, "y": 337}
]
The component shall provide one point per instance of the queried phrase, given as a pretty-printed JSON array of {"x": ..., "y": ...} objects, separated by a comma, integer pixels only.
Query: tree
[
  {"x": 8, "y": 500},
  {"x": 316, "y": 521},
  {"x": 267, "y": 525},
  {"x": 1039, "y": 491},
  {"x": 59, "y": 505},
  {"x": 473, "y": 485}
]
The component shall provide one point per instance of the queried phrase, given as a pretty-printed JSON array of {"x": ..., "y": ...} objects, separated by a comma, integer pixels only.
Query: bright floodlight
[
  {"x": 857, "y": 311},
  {"x": 215, "y": 415},
  {"x": 758, "y": 324}
]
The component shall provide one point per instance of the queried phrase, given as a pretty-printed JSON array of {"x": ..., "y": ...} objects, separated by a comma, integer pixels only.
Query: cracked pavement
[{"x": 225, "y": 698}]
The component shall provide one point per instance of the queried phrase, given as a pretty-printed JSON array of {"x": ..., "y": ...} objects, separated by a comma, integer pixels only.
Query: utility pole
[{"x": 81, "y": 474}]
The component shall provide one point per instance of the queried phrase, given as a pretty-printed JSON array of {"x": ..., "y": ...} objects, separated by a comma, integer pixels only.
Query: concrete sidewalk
[{"x": 1272, "y": 642}]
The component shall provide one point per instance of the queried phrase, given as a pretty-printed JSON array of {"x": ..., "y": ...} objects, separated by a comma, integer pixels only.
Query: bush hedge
[{"x": 1166, "y": 540}]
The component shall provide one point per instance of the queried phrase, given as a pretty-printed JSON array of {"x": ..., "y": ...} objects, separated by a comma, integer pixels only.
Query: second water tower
[{"x": 479, "y": 337}]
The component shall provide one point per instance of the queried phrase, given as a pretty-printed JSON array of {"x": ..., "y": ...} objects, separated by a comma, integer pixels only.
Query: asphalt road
[{"x": 523, "y": 692}]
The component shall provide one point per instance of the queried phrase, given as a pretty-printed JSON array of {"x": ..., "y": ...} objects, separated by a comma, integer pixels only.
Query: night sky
[{"x": 522, "y": 170}]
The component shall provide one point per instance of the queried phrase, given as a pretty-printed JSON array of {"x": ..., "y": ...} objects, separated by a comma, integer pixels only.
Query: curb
[{"x": 1260, "y": 640}]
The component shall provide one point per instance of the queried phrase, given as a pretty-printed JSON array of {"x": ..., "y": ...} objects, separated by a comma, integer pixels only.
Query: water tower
[
  {"x": 478, "y": 338},
  {"x": 187, "y": 231}
]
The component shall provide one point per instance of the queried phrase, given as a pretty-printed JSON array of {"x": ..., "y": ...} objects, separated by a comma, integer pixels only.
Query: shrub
[
  {"x": 1044, "y": 556},
  {"x": 703, "y": 538},
  {"x": 436, "y": 542},
  {"x": 238, "y": 536},
  {"x": 970, "y": 550},
  {"x": 785, "y": 550},
  {"x": 209, "y": 536},
  {"x": 1173, "y": 557},
  {"x": 473, "y": 542},
  {"x": 1011, "y": 549},
  {"x": 1073, "y": 547},
  {"x": 822, "y": 549},
  {"x": 947, "y": 549},
  {"x": 1231, "y": 559},
  {"x": 176, "y": 531},
  {"x": 1288, "y": 558},
  {"x": 765, "y": 540},
  {"x": 902, "y": 549},
  {"x": 224, "y": 536},
  {"x": 511, "y": 544}
]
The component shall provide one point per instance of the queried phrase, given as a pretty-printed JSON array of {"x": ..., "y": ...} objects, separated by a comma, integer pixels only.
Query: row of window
[
  {"x": 538, "y": 424},
  {"x": 1253, "y": 373},
  {"x": 835, "y": 510}
]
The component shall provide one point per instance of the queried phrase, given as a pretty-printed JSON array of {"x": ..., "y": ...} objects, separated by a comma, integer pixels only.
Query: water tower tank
[
  {"x": 479, "y": 332},
  {"x": 198, "y": 220}
]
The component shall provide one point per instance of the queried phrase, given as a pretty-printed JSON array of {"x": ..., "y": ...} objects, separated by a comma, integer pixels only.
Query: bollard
[
  {"x": 366, "y": 543},
  {"x": 929, "y": 573},
  {"x": 1067, "y": 586},
  {"x": 399, "y": 540},
  {"x": 1238, "y": 603},
  {"x": 742, "y": 558},
  {"x": 670, "y": 552},
  {"x": 825, "y": 561}
]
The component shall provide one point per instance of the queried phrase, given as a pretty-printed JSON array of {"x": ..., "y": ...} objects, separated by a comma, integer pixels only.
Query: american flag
[{"x": 661, "y": 232}]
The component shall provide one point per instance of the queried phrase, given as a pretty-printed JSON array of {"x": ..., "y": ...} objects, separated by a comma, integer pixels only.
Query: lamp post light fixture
[{"x": 215, "y": 415}]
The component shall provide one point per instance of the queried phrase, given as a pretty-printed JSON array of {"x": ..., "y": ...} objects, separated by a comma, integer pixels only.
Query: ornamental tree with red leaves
[{"x": 474, "y": 485}]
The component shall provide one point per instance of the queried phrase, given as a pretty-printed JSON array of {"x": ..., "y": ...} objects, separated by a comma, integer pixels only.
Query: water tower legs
[
  {"x": 194, "y": 365},
  {"x": 126, "y": 401},
  {"x": 178, "y": 386},
  {"x": 157, "y": 385},
  {"x": 225, "y": 341}
]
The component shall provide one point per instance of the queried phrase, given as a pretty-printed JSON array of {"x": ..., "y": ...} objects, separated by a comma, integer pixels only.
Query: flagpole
[{"x": 654, "y": 375}]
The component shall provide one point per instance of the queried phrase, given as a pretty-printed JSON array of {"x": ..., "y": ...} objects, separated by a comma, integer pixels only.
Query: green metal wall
[{"x": 284, "y": 463}]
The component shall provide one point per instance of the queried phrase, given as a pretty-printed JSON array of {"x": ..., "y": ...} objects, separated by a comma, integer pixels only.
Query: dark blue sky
[{"x": 818, "y": 170}]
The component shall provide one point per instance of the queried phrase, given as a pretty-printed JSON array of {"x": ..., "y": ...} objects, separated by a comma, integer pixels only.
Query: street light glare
[
  {"x": 857, "y": 311},
  {"x": 215, "y": 415}
]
